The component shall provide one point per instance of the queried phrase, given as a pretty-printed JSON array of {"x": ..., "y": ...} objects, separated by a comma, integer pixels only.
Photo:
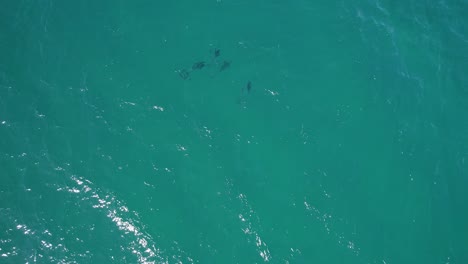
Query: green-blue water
[{"x": 350, "y": 147}]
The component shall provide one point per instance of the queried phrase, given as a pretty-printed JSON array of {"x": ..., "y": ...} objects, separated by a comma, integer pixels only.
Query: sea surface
[{"x": 234, "y": 131}]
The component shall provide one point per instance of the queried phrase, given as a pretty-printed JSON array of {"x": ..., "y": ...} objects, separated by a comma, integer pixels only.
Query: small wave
[
  {"x": 141, "y": 244},
  {"x": 246, "y": 219}
]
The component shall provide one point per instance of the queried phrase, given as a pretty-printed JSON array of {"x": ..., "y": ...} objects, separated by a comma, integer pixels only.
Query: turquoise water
[{"x": 350, "y": 147}]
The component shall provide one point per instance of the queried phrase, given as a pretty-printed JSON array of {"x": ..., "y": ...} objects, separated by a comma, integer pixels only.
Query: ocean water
[{"x": 316, "y": 132}]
